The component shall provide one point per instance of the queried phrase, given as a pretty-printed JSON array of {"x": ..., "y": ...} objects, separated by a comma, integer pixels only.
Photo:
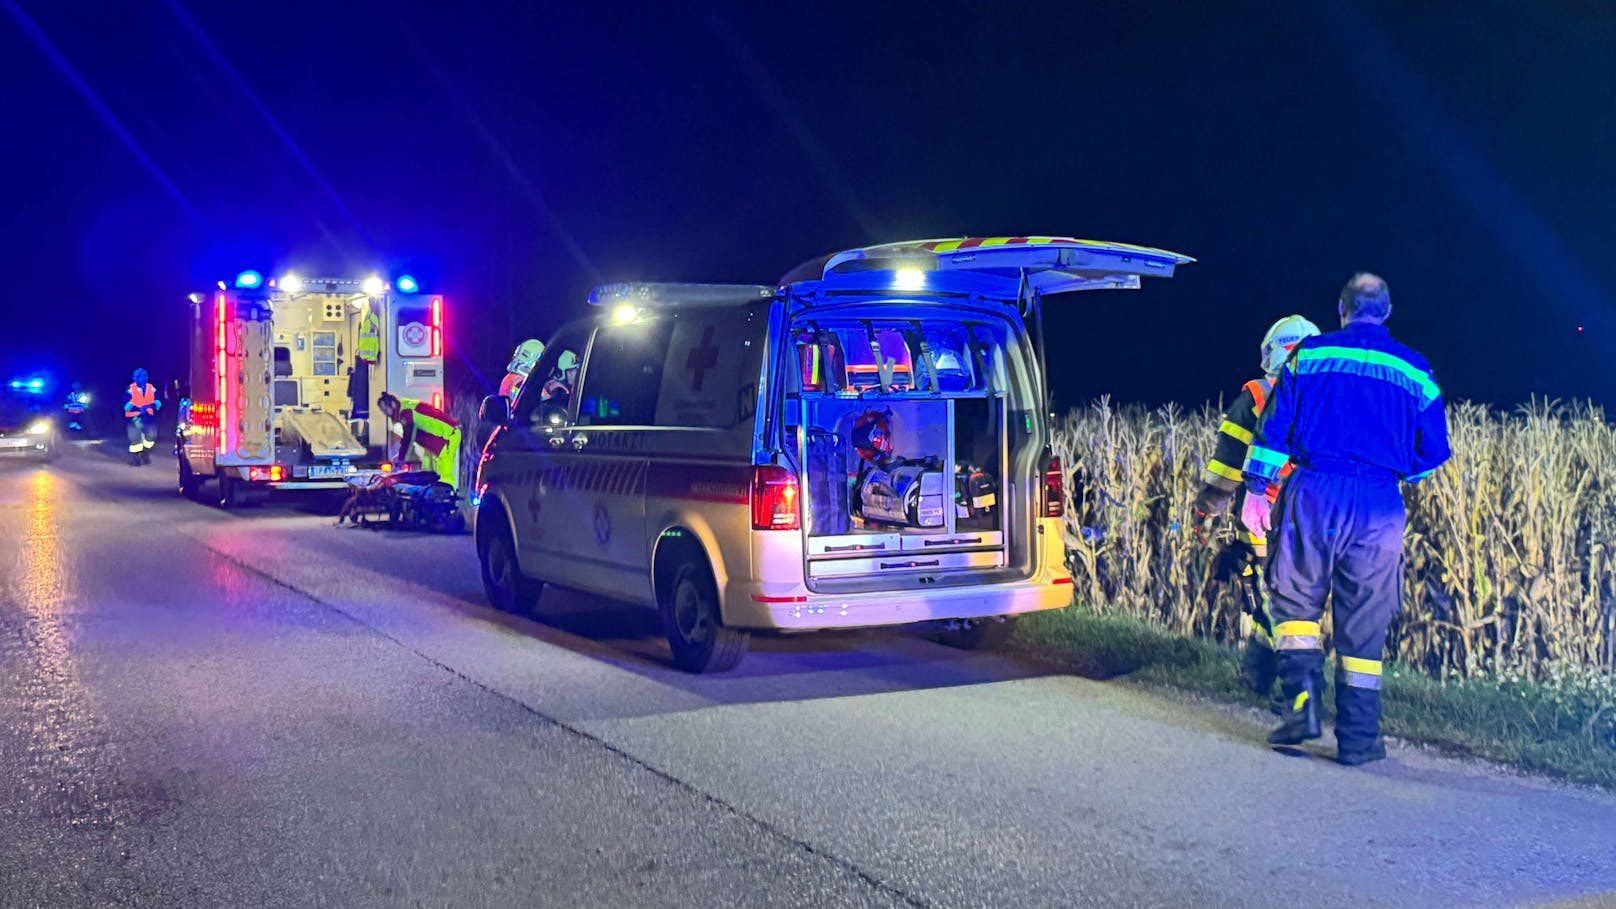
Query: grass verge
[{"x": 1561, "y": 728}]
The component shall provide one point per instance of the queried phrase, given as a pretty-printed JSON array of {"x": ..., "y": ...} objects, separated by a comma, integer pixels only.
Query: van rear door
[{"x": 1014, "y": 270}]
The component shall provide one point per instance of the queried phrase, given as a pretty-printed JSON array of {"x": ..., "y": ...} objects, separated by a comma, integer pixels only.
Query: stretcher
[{"x": 413, "y": 500}]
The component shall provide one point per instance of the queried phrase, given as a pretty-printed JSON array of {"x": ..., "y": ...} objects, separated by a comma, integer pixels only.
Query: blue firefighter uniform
[{"x": 1354, "y": 412}]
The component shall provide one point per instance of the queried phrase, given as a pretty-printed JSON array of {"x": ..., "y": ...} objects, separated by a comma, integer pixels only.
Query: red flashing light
[
  {"x": 437, "y": 326},
  {"x": 437, "y": 399},
  {"x": 1061, "y": 581},
  {"x": 222, "y": 369},
  {"x": 774, "y": 498},
  {"x": 1054, "y": 490}
]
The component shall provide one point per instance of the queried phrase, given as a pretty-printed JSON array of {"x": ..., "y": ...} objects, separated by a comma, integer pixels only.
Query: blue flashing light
[
  {"x": 249, "y": 279},
  {"x": 406, "y": 284},
  {"x": 16, "y": 383},
  {"x": 36, "y": 384}
]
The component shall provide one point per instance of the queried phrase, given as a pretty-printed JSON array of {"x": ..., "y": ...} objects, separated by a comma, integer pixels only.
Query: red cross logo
[
  {"x": 415, "y": 334},
  {"x": 702, "y": 358}
]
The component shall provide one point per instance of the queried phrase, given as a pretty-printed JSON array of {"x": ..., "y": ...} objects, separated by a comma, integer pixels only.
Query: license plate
[
  {"x": 327, "y": 470},
  {"x": 13, "y": 443}
]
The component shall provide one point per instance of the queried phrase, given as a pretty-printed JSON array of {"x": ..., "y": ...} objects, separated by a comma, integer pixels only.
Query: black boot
[
  {"x": 1357, "y": 722},
  {"x": 1357, "y": 755},
  {"x": 1302, "y": 676},
  {"x": 145, "y": 456},
  {"x": 134, "y": 459}
]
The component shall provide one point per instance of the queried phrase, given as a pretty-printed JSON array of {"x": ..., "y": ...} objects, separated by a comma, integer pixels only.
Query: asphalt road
[{"x": 258, "y": 709}]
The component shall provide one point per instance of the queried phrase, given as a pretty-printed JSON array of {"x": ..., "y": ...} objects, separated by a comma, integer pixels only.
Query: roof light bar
[
  {"x": 249, "y": 280},
  {"x": 654, "y": 294}
]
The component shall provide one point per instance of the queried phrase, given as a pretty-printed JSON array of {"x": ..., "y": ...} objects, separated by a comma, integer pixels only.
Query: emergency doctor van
[{"x": 863, "y": 444}]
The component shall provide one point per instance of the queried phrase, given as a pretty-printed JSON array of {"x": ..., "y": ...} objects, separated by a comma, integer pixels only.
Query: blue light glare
[
  {"x": 249, "y": 279},
  {"x": 406, "y": 284}
]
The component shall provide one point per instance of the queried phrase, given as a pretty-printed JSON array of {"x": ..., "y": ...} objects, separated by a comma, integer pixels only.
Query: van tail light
[
  {"x": 1054, "y": 490},
  {"x": 774, "y": 498}
]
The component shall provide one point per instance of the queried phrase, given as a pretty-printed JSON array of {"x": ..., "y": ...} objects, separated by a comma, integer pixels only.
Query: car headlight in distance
[{"x": 39, "y": 428}]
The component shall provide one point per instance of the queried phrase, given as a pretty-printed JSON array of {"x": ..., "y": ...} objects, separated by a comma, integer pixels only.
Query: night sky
[{"x": 511, "y": 155}]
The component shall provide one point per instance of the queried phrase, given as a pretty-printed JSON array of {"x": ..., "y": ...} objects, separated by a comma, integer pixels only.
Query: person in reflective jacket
[
  {"x": 1222, "y": 483},
  {"x": 140, "y": 413},
  {"x": 1354, "y": 412},
  {"x": 428, "y": 428}
]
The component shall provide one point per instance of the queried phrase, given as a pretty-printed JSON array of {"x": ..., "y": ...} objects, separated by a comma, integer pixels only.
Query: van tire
[
  {"x": 979, "y": 634},
  {"x": 507, "y": 588},
  {"x": 694, "y": 623}
]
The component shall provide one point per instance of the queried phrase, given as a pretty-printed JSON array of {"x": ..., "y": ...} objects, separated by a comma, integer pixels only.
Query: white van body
[{"x": 864, "y": 444}]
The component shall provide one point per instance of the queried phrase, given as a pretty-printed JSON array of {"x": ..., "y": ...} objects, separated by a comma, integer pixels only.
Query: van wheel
[
  {"x": 190, "y": 484},
  {"x": 694, "y": 625},
  {"x": 979, "y": 634},
  {"x": 507, "y": 588}
]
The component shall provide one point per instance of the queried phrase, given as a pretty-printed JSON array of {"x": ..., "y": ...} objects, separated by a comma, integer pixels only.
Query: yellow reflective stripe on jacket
[
  {"x": 1360, "y": 673},
  {"x": 1225, "y": 471},
  {"x": 1298, "y": 636},
  {"x": 1238, "y": 432}
]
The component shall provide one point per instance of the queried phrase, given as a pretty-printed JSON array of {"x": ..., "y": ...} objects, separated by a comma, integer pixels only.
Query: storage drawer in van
[{"x": 917, "y": 562}]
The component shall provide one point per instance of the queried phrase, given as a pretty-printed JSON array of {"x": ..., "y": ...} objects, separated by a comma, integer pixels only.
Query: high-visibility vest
[
  {"x": 1259, "y": 389},
  {"x": 433, "y": 427},
  {"x": 369, "y": 348},
  {"x": 139, "y": 399}
]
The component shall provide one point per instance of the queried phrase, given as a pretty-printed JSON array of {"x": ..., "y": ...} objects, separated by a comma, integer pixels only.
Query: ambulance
[
  {"x": 285, "y": 375},
  {"x": 864, "y": 443}
]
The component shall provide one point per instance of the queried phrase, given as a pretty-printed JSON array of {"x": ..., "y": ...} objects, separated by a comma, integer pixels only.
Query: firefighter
[
  {"x": 1222, "y": 482},
  {"x": 1355, "y": 412},
  {"x": 140, "y": 413},
  {"x": 428, "y": 428},
  {"x": 522, "y": 360},
  {"x": 557, "y": 393}
]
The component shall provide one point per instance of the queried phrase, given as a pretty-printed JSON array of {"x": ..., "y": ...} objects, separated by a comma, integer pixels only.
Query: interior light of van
[
  {"x": 249, "y": 279},
  {"x": 291, "y": 283},
  {"x": 406, "y": 284},
  {"x": 774, "y": 498},
  {"x": 625, "y": 313}
]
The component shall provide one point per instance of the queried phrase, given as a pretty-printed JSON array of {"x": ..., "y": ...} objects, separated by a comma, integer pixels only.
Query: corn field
[{"x": 1509, "y": 566}]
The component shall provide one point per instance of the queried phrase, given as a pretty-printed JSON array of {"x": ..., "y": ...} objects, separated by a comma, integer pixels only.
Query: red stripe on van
[{"x": 703, "y": 483}]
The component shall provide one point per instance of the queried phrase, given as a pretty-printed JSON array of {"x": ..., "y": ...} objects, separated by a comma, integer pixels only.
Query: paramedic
[
  {"x": 1355, "y": 412},
  {"x": 1222, "y": 482},
  {"x": 428, "y": 428},
  {"x": 140, "y": 413}
]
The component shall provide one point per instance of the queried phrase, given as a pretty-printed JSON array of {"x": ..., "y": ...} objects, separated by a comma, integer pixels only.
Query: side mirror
[{"x": 495, "y": 411}]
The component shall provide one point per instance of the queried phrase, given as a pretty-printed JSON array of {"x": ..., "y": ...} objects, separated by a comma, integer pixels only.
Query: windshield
[{"x": 16, "y": 411}]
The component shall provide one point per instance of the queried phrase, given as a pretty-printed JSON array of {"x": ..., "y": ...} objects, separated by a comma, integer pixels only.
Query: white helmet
[
  {"x": 567, "y": 360},
  {"x": 527, "y": 353},
  {"x": 1281, "y": 339}
]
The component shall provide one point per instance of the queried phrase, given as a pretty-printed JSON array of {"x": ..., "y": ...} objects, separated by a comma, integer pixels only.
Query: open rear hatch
[{"x": 914, "y": 399}]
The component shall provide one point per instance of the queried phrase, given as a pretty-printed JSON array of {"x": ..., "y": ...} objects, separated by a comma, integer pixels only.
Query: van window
[
  {"x": 712, "y": 365},
  {"x": 624, "y": 374},
  {"x": 546, "y": 396}
]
